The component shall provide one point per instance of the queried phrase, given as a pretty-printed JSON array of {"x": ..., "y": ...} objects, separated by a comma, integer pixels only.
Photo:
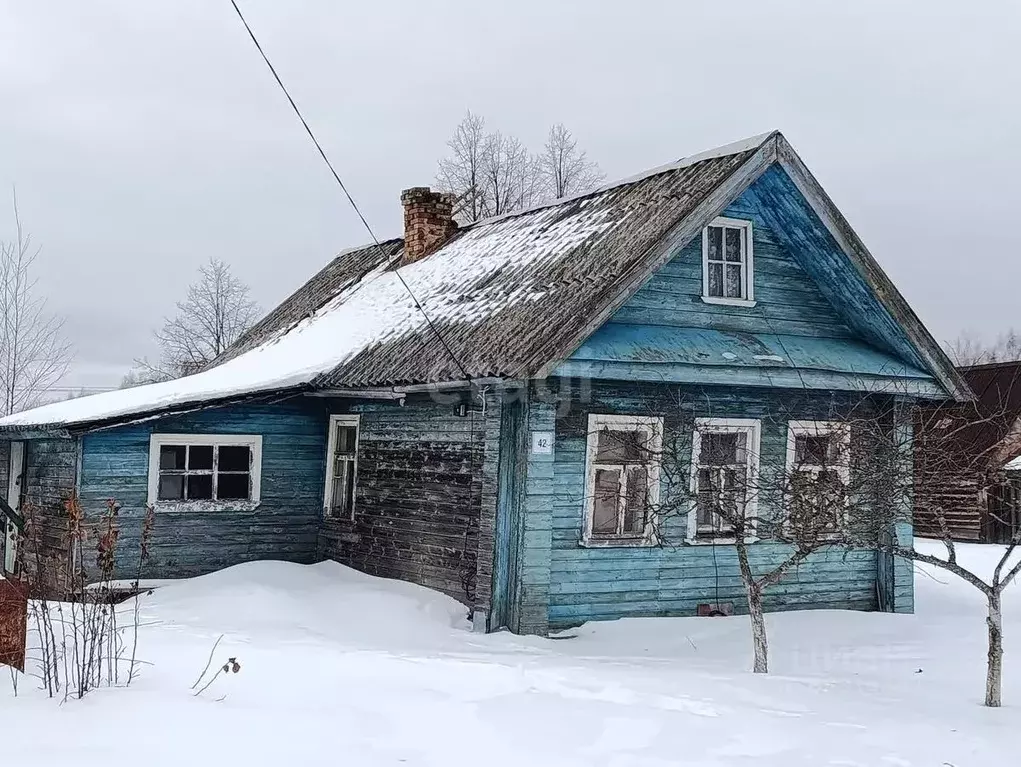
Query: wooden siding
[
  {"x": 50, "y": 473},
  {"x": 115, "y": 464},
  {"x": 787, "y": 300},
  {"x": 796, "y": 335},
  {"x": 425, "y": 504},
  {"x": 583, "y": 584}
]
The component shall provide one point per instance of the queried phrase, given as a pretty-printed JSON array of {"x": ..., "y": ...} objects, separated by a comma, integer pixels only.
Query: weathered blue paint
[
  {"x": 115, "y": 464},
  {"x": 512, "y": 449},
  {"x": 815, "y": 324},
  {"x": 582, "y": 584},
  {"x": 704, "y": 355},
  {"x": 535, "y": 545}
]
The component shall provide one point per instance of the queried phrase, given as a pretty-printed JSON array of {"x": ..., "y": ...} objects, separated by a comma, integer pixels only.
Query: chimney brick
[{"x": 428, "y": 221}]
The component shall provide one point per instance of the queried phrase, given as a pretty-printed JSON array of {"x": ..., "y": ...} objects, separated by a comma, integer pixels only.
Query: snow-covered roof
[{"x": 506, "y": 297}]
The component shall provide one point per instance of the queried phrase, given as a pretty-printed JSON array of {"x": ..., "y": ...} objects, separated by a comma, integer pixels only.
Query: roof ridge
[{"x": 734, "y": 147}]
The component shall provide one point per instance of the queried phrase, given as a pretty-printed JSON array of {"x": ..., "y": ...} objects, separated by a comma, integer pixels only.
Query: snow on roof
[{"x": 499, "y": 293}]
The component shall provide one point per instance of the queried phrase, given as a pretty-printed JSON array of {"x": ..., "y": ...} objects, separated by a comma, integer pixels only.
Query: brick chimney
[{"x": 428, "y": 221}]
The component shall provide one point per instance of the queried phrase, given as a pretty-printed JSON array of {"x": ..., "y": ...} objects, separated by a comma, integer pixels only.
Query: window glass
[
  {"x": 173, "y": 456},
  {"x": 726, "y": 261},
  {"x": 733, "y": 246},
  {"x": 200, "y": 487},
  {"x": 171, "y": 487},
  {"x": 607, "y": 498},
  {"x": 233, "y": 486},
  {"x": 234, "y": 458},
  {"x": 343, "y": 466},
  {"x": 206, "y": 471},
  {"x": 200, "y": 457},
  {"x": 617, "y": 446},
  {"x": 623, "y": 454}
]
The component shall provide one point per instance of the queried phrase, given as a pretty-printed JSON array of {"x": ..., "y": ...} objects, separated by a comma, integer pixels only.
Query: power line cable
[{"x": 347, "y": 194}]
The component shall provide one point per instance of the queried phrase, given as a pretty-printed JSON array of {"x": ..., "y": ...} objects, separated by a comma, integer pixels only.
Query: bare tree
[
  {"x": 493, "y": 173},
  {"x": 464, "y": 171},
  {"x": 34, "y": 354},
  {"x": 729, "y": 499},
  {"x": 971, "y": 349},
  {"x": 511, "y": 175},
  {"x": 216, "y": 313},
  {"x": 939, "y": 451},
  {"x": 565, "y": 169}
]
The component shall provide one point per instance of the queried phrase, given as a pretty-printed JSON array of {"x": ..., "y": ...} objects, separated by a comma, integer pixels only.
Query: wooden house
[
  {"x": 967, "y": 473},
  {"x": 431, "y": 408}
]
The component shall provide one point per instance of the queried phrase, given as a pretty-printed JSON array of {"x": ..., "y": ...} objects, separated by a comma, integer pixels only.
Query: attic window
[{"x": 727, "y": 262}]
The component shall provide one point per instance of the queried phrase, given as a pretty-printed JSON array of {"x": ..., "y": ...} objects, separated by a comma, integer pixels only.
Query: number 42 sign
[{"x": 542, "y": 443}]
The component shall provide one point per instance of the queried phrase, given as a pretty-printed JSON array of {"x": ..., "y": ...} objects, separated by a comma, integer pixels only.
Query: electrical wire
[
  {"x": 347, "y": 194},
  {"x": 467, "y": 579}
]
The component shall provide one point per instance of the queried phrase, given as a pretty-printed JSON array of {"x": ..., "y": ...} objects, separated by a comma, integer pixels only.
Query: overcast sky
[{"x": 146, "y": 137}]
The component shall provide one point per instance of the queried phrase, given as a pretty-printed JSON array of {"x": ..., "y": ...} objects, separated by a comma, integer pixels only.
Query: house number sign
[{"x": 542, "y": 443}]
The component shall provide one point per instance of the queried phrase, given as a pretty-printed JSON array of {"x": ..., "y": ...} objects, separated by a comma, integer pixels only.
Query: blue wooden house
[{"x": 433, "y": 408}]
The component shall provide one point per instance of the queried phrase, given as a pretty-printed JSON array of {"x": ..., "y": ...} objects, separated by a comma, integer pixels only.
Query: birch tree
[
  {"x": 34, "y": 353},
  {"x": 565, "y": 169},
  {"x": 493, "y": 173},
  {"x": 217, "y": 311},
  {"x": 464, "y": 170}
]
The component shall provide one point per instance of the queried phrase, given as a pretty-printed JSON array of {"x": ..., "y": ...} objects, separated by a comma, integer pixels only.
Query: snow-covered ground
[{"x": 342, "y": 669}]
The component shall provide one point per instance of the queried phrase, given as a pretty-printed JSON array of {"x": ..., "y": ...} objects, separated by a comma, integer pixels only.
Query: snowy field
[{"x": 342, "y": 669}]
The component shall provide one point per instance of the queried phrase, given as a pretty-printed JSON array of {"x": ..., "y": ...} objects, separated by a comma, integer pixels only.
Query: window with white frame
[
  {"x": 205, "y": 470},
  {"x": 818, "y": 472},
  {"x": 623, "y": 461},
  {"x": 342, "y": 467},
  {"x": 724, "y": 466},
  {"x": 727, "y": 262}
]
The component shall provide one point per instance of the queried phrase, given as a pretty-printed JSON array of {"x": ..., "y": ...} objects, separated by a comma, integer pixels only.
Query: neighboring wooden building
[
  {"x": 968, "y": 483},
  {"x": 344, "y": 425}
]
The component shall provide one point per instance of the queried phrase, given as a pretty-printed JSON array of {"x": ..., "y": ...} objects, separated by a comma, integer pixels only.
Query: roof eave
[{"x": 872, "y": 273}]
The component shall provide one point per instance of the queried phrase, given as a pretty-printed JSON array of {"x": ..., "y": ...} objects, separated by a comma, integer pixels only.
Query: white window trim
[
  {"x": 820, "y": 428},
  {"x": 331, "y": 442},
  {"x": 597, "y": 421},
  {"x": 753, "y": 428},
  {"x": 748, "y": 264},
  {"x": 251, "y": 441}
]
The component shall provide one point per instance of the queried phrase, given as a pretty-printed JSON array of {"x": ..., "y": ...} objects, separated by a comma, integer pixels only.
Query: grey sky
[{"x": 146, "y": 137}]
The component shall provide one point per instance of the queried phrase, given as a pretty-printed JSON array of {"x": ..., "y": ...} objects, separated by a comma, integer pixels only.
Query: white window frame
[
  {"x": 751, "y": 427},
  {"x": 596, "y": 422},
  {"x": 747, "y": 264},
  {"x": 351, "y": 419},
  {"x": 818, "y": 429},
  {"x": 252, "y": 441}
]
